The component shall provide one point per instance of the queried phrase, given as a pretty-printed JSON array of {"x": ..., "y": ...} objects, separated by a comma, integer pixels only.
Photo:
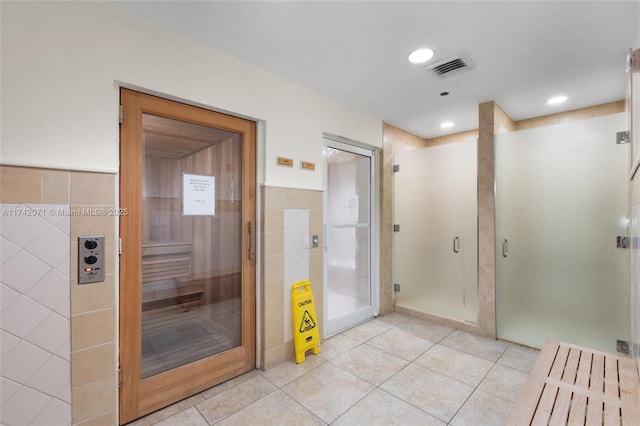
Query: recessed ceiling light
[
  {"x": 446, "y": 124},
  {"x": 557, "y": 100},
  {"x": 420, "y": 56}
]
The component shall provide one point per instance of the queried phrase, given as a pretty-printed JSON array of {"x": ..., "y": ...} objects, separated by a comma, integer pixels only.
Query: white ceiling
[{"x": 356, "y": 52}]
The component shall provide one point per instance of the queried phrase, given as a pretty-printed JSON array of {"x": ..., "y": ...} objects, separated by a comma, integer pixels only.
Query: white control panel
[{"x": 90, "y": 259}]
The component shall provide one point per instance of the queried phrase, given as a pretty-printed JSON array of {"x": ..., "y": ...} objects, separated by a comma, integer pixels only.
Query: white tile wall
[
  {"x": 34, "y": 315},
  {"x": 296, "y": 258}
]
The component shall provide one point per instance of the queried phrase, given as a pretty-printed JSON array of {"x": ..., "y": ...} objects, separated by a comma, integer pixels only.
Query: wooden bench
[
  {"x": 573, "y": 385},
  {"x": 167, "y": 278}
]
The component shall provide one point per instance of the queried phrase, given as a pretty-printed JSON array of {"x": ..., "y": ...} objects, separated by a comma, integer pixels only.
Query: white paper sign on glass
[{"x": 198, "y": 195}]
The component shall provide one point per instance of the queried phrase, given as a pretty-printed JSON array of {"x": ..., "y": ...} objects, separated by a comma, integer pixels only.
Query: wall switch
[
  {"x": 90, "y": 259},
  {"x": 305, "y": 242}
]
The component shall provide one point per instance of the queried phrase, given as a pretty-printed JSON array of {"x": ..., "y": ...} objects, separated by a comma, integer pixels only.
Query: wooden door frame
[{"x": 139, "y": 397}]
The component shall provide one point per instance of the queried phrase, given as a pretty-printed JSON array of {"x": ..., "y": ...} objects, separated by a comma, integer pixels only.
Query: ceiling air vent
[{"x": 450, "y": 67}]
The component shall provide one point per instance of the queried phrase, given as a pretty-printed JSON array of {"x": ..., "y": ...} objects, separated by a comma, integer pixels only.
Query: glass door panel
[
  {"x": 561, "y": 201},
  {"x": 435, "y": 249},
  {"x": 349, "y": 298},
  {"x": 191, "y": 254},
  {"x": 187, "y": 268}
]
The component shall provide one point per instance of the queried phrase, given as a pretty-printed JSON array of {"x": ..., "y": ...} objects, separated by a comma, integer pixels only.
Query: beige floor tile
[
  {"x": 432, "y": 392},
  {"x": 393, "y": 319},
  {"x": 519, "y": 357},
  {"x": 382, "y": 408},
  {"x": 424, "y": 330},
  {"x": 188, "y": 417},
  {"x": 400, "y": 343},
  {"x": 458, "y": 365},
  {"x": 289, "y": 370},
  {"x": 366, "y": 331},
  {"x": 230, "y": 383},
  {"x": 336, "y": 345},
  {"x": 475, "y": 345},
  {"x": 437, "y": 386},
  {"x": 328, "y": 391},
  {"x": 238, "y": 397},
  {"x": 483, "y": 409},
  {"x": 169, "y": 411},
  {"x": 369, "y": 363},
  {"x": 277, "y": 408},
  {"x": 504, "y": 382}
]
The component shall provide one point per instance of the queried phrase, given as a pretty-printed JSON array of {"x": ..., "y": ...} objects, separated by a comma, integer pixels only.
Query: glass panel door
[
  {"x": 435, "y": 249},
  {"x": 191, "y": 233},
  {"x": 561, "y": 201},
  {"x": 187, "y": 269},
  {"x": 349, "y": 297}
]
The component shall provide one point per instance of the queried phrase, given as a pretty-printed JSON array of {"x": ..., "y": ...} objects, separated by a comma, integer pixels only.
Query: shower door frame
[{"x": 361, "y": 314}]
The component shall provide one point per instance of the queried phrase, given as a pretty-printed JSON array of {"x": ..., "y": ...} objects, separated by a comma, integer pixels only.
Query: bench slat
[
  {"x": 573, "y": 385},
  {"x": 167, "y": 277},
  {"x": 563, "y": 402},
  {"x": 579, "y": 403},
  {"x": 534, "y": 386},
  {"x": 629, "y": 392},
  {"x": 611, "y": 413}
]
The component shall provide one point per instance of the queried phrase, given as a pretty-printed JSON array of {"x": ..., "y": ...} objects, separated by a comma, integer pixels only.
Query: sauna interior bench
[
  {"x": 166, "y": 277},
  {"x": 573, "y": 385}
]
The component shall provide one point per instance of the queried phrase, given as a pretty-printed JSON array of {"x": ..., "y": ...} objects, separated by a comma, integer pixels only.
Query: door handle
[
  {"x": 252, "y": 240},
  {"x": 505, "y": 247},
  {"x": 456, "y": 245}
]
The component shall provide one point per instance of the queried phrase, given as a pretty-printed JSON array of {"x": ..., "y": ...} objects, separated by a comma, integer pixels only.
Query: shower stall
[
  {"x": 561, "y": 204},
  {"x": 561, "y": 215},
  {"x": 435, "y": 246}
]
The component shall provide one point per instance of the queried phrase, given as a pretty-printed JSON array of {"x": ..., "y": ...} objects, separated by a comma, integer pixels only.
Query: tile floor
[{"x": 392, "y": 370}]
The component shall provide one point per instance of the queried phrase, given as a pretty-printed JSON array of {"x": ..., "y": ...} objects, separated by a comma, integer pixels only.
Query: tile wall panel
[
  {"x": 35, "y": 315},
  {"x": 296, "y": 259},
  {"x": 287, "y": 215},
  {"x": 41, "y": 300}
]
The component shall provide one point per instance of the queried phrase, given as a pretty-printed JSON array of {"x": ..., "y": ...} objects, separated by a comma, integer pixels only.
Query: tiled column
[
  {"x": 274, "y": 349},
  {"x": 492, "y": 120},
  {"x": 93, "y": 306},
  {"x": 90, "y": 309}
]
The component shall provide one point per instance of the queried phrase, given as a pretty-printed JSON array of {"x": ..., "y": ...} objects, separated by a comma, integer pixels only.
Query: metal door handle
[
  {"x": 456, "y": 245},
  {"x": 505, "y": 248},
  {"x": 252, "y": 240}
]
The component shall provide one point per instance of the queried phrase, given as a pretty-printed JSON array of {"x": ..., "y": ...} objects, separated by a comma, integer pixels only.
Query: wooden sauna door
[{"x": 187, "y": 267}]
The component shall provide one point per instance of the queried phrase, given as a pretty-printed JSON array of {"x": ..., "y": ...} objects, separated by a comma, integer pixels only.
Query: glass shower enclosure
[
  {"x": 561, "y": 203},
  {"x": 435, "y": 246}
]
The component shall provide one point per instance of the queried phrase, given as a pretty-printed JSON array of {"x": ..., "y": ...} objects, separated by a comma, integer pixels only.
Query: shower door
[
  {"x": 561, "y": 201},
  {"x": 435, "y": 247}
]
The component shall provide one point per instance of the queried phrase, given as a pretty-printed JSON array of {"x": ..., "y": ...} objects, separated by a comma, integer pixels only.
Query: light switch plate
[{"x": 91, "y": 259}]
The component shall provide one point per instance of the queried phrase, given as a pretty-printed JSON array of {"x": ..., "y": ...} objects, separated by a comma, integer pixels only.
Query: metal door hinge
[
  {"x": 120, "y": 114},
  {"x": 119, "y": 245},
  {"x": 119, "y": 377},
  {"x": 396, "y": 228},
  {"x": 396, "y": 168},
  {"x": 622, "y": 346},
  {"x": 396, "y": 288},
  {"x": 622, "y": 137}
]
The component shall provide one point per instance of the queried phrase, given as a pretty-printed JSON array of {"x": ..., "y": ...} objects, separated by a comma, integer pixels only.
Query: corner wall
[{"x": 88, "y": 319}]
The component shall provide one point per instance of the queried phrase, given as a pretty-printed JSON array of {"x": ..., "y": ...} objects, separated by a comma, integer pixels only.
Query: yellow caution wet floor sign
[{"x": 305, "y": 322}]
